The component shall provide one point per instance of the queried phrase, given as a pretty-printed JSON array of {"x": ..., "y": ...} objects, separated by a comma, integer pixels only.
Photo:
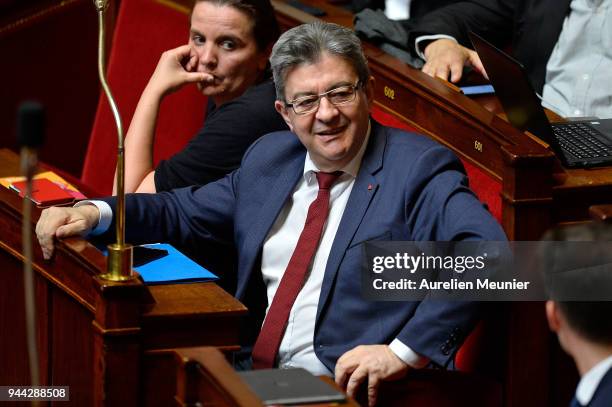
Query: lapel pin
[{"x": 369, "y": 187}]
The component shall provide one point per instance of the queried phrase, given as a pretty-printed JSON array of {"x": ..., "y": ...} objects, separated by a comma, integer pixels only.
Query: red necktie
[{"x": 269, "y": 339}]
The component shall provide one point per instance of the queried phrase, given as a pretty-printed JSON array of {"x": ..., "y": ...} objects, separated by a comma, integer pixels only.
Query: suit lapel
[
  {"x": 363, "y": 192},
  {"x": 277, "y": 194}
]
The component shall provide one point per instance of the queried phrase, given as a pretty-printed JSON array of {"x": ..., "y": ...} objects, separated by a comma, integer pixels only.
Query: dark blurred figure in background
[
  {"x": 386, "y": 23},
  {"x": 565, "y": 45},
  {"x": 584, "y": 328}
]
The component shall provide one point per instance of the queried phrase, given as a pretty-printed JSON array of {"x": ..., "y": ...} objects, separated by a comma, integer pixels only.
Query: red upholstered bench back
[
  {"x": 484, "y": 186},
  {"x": 144, "y": 29},
  {"x": 476, "y": 349}
]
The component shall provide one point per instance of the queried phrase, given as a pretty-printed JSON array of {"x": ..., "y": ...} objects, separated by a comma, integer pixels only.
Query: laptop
[
  {"x": 579, "y": 144},
  {"x": 290, "y": 386}
]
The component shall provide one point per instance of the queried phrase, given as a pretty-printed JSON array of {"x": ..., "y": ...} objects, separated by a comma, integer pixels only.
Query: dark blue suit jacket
[
  {"x": 408, "y": 188},
  {"x": 603, "y": 395}
]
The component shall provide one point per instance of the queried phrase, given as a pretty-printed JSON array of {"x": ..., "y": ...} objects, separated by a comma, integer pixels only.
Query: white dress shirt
[
  {"x": 397, "y": 9},
  {"x": 296, "y": 348},
  {"x": 590, "y": 381},
  {"x": 579, "y": 70}
]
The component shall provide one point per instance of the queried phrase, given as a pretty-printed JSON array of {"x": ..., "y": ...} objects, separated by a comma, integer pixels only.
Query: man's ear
[
  {"x": 280, "y": 108},
  {"x": 552, "y": 315}
]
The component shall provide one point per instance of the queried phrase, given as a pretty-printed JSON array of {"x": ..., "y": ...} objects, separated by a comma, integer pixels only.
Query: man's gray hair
[{"x": 306, "y": 43}]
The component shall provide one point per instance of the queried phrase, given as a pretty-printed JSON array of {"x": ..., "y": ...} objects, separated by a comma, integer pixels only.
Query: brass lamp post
[{"x": 119, "y": 266}]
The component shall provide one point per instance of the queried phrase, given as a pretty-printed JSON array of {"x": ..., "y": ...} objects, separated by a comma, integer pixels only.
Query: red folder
[{"x": 44, "y": 192}]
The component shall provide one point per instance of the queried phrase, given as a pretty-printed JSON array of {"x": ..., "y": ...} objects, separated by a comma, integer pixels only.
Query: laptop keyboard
[{"x": 579, "y": 140}]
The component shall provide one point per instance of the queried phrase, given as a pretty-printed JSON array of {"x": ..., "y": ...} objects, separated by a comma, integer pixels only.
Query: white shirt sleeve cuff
[
  {"x": 410, "y": 357},
  {"x": 106, "y": 215},
  {"x": 428, "y": 38}
]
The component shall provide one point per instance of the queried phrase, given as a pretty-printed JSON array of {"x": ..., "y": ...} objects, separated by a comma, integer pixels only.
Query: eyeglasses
[{"x": 337, "y": 96}]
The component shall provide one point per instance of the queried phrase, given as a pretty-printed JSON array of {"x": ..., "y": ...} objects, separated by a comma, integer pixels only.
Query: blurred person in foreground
[{"x": 575, "y": 275}]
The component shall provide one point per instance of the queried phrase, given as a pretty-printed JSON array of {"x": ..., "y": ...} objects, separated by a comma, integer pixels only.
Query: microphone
[
  {"x": 30, "y": 135},
  {"x": 30, "y": 125}
]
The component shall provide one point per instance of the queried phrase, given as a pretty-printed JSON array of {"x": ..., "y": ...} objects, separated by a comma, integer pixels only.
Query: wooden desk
[
  {"x": 110, "y": 342},
  {"x": 205, "y": 378}
]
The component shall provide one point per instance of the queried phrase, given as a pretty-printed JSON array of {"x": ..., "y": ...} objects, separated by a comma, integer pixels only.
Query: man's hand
[
  {"x": 170, "y": 74},
  {"x": 444, "y": 57},
  {"x": 371, "y": 362},
  {"x": 64, "y": 222}
]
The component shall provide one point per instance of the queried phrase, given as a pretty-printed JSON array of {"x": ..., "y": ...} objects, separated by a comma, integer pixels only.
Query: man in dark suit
[
  {"x": 298, "y": 210},
  {"x": 564, "y": 45},
  {"x": 531, "y": 28},
  {"x": 575, "y": 275}
]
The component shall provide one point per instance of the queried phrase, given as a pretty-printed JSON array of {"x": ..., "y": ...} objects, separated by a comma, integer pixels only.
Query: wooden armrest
[
  {"x": 449, "y": 84},
  {"x": 205, "y": 375}
]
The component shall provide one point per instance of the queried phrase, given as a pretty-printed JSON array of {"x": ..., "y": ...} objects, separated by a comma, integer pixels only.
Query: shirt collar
[
  {"x": 352, "y": 168},
  {"x": 590, "y": 381}
]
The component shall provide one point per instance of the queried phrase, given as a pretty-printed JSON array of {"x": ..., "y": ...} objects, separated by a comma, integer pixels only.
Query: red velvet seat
[
  {"x": 144, "y": 29},
  {"x": 486, "y": 188}
]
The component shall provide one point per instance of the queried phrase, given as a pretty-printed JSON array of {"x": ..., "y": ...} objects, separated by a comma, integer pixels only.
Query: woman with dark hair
[{"x": 227, "y": 57}]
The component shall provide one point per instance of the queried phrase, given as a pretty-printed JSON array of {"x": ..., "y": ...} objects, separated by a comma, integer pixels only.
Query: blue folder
[{"x": 173, "y": 268}]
